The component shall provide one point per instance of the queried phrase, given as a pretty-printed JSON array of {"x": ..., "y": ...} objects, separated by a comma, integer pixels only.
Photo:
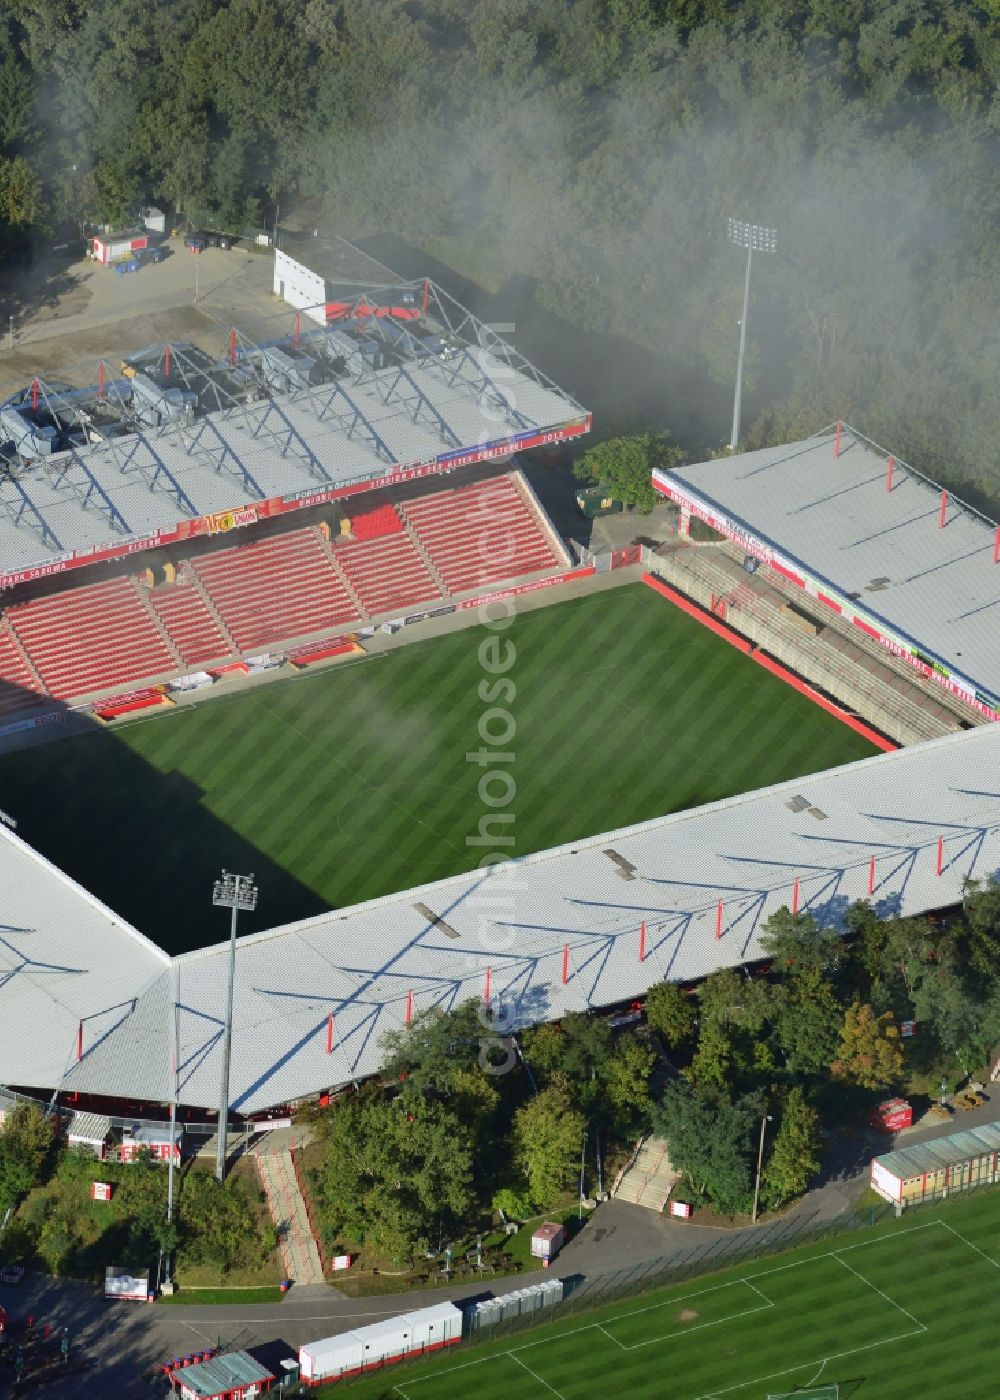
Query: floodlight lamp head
[{"x": 757, "y": 238}]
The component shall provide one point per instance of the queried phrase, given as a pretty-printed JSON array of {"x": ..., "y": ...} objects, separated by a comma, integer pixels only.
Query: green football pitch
[
  {"x": 905, "y": 1310},
  {"x": 350, "y": 783}
]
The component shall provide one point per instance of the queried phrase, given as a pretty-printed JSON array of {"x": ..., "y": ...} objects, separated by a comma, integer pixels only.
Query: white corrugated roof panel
[{"x": 361, "y": 963}]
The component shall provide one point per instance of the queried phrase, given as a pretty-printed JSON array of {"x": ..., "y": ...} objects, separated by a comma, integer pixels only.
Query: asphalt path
[{"x": 125, "y": 1341}]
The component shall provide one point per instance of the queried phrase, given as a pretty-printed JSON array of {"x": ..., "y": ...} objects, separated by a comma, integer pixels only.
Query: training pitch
[
  {"x": 351, "y": 783},
  {"x": 907, "y": 1310}
]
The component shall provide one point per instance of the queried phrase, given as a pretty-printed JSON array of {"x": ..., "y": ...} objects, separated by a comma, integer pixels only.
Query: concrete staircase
[
  {"x": 288, "y": 1211},
  {"x": 650, "y": 1178}
]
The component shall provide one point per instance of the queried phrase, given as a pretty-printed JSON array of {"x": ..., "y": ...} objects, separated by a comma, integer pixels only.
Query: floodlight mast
[
  {"x": 755, "y": 238},
  {"x": 233, "y": 892}
]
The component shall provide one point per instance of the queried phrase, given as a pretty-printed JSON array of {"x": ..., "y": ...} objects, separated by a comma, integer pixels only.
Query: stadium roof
[
  {"x": 936, "y": 588},
  {"x": 510, "y": 923},
  {"x": 267, "y": 442},
  {"x": 66, "y": 962}
]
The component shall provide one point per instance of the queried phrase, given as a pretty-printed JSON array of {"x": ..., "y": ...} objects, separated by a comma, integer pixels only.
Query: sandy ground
[{"x": 79, "y": 312}]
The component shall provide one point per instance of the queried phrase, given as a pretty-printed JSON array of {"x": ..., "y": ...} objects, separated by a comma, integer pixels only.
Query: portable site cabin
[
  {"x": 234, "y": 1376},
  {"x": 935, "y": 1169},
  {"x": 108, "y": 247},
  {"x": 547, "y": 1241},
  {"x": 91, "y": 1132},
  {"x": 380, "y": 1344}
]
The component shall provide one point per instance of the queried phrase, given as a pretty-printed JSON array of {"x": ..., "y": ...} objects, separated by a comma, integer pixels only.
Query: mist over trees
[{"x": 597, "y": 145}]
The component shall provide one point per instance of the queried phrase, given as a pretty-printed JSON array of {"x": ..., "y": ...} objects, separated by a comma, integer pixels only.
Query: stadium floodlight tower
[
  {"x": 755, "y": 238},
  {"x": 233, "y": 892}
]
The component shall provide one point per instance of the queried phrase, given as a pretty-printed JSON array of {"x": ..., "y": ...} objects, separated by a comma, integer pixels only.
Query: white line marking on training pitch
[
  {"x": 535, "y": 1375},
  {"x": 952, "y": 1231},
  {"x": 891, "y": 1301}
]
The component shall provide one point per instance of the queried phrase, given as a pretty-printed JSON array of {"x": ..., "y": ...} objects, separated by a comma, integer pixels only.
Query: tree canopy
[{"x": 596, "y": 147}]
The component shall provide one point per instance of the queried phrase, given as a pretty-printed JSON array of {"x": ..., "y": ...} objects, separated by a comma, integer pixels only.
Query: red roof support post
[
  {"x": 486, "y": 986},
  {"x": 836, "y": 439},
  {"x": 718, "y": 919},
  {"x": 101, "y": 372},
  {"x": 565, "y": 966},
  {"x": 409, "y": 1008},
  {"x": 232, "y": 346},
  {"x": 642, "y": 941},
  {"x": 79, "y": 1041},
  {"x": 166, "y": 361},
  {"x": 795, "y": 896},
  {"x": 890, "y": 464},
  {"x": 427, "y": 295},
  {"x": 871, "y": 876},
  {"x": 34, "y": 396},
  {"x": 996, "y": 546},
  {"x": 329, "y": 1034},
  {"x": 944, "y": 509},
  {"x": 297, "y": 334},
  {"x": 940, "y": 855}
]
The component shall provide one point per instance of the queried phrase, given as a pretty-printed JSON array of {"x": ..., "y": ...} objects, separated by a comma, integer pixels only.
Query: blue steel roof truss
[
  {"x": 89, "y": 492},
  {"x": 480, "y": 382},
  {"x": 16, "y": 511},
  {"x": 217, "y": 453},
  {"x": 286, "y": 438},
  {"x": 386, "y": 384},
  {"x": 352, "y": 421},
  {"x": 155, "y": 472}
]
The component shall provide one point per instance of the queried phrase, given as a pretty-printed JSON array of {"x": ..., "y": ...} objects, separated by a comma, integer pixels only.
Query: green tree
[
  {"x": 794, "y": 1158},
  {"x": 548, "y": 1134},
  {"x": 25, "y": 1143},
  {"x": 796, "y": 943},
  {"x": 669, "y": 1011},
  {"x": 710, "y": 1140},
  {"x": 626, "y": 1082},
  {"x": 392, "y": 1169},
  {"x": 438, "y": 1046},
  {"x": 870, "y": 1053},
  {"x": 981, "y": 927},
  {"x": 625, "y": 466},
  {"x": 578, "y": 1048},
  {"x": 809, "y": 1023}
]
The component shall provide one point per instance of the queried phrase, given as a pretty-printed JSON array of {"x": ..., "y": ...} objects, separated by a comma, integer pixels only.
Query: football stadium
[{"x": 250, "y": 600}]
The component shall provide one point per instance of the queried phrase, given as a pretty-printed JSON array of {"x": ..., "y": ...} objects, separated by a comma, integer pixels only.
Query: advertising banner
[{"x": 514, "y": 592}]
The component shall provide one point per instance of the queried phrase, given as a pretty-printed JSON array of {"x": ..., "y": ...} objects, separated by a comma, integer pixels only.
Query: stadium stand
[
  {"x": 373, "y": 524},
  {"x": 278, "y": 587},
  {"x": 387, "y": 573},
  {"x": 281, "y": 587},
  {"x": 453, "y": 526},
  {"x": 19, "y": 689},
  {"x": 191, "y": 627},
  {"x": 86, "y": 639}
]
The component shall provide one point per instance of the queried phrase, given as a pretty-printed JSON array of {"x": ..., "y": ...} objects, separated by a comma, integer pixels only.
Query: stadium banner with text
[
  {"x": 930, "y": 667},
  {"x": 520, "y": 588},
  {"x": 15, "y": 726},
  {"x": 250, "y": 513}
]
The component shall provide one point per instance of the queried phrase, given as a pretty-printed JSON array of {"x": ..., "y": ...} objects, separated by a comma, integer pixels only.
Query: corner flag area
[
  {"x": 353, "y": 783},
  {"x": 904, "y": 1310}
]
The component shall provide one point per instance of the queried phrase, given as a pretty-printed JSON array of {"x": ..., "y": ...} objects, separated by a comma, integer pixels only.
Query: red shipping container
[{"x": 891, "y": 1116}]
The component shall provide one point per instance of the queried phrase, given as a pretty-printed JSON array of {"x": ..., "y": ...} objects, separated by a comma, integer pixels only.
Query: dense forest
[{"x": 597, "y": 145}]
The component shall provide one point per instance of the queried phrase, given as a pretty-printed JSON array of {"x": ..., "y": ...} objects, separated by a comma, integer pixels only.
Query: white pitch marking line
[
  {"x": 951, "y": 1230},
  {"x": 534, "y": 1375},
  {"x": 898, "y": 1306},
  {"x": 790, "y": 1370}
]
